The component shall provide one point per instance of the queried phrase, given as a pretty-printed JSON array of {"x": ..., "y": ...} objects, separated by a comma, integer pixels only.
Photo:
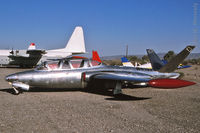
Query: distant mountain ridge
[{"x": 161, "y": 55}]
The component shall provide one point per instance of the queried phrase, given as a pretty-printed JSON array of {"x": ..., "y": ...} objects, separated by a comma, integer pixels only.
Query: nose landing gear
[{"x": 16, "y": 91}]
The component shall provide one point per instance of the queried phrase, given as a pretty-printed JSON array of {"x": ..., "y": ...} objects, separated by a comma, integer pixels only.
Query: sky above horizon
[{"x": 109, "y": 25}]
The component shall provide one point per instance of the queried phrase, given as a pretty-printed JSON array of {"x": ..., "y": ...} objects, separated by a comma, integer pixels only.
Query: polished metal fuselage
[
  {"x": 51, "y": 79},
  {"x": 73, "y": 78}
]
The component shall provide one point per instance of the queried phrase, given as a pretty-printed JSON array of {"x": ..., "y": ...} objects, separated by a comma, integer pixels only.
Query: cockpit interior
[{"x": 68, "y": 64}]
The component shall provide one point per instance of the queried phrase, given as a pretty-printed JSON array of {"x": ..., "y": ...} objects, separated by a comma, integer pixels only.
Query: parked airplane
[
  {"x": 33, "y": 56},
  {"x": 22, "y": 58},
  {"x": 158, "y": 64},
  {"x": 153, "y": 59},
  {"x": 83, "y": 73},
  {"x": 126, "y": 62}
]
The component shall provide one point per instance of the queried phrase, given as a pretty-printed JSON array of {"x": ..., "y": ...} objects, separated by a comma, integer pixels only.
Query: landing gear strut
[
  {"x": 16, "y": 91},
  {"x": 118, "y": 88}
]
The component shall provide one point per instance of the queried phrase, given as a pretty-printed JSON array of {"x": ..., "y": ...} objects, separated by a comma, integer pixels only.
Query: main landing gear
[{"x": 118, "y": 88}]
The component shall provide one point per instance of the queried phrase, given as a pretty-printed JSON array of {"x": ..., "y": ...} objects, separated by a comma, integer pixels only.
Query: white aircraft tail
[
  {"x": 32, "y": 46},
  {"x": 76, "y": 43}
]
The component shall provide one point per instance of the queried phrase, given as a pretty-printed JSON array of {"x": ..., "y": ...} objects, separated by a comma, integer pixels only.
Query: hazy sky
[{"x": 109, "y": 25}]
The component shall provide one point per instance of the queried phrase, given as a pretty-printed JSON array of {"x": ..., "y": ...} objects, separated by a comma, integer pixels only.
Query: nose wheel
[{"x": 16, "y": 91}]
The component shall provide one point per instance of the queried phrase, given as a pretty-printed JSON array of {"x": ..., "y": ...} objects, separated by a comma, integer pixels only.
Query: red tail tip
[
  {"x": 95, "y": 56},
  {"x": 32, "y": 44}
]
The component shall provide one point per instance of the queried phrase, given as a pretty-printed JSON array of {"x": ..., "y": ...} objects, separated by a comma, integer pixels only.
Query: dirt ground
[{"x": 79, "y": 111}]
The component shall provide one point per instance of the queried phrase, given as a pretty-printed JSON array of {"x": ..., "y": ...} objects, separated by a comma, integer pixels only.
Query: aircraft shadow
[
  {"x": 53, "y": 90},
  {"x": 119, "y": 97},
  {"x": 11, "y": 91},
  {"x": 8, "y": 90},
  {"x": 104, "y": 92},
  {"x": 124, "y": 97}
]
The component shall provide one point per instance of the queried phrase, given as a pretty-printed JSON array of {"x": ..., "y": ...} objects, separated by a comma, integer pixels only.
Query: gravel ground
[{"x": 80, "y": 111}]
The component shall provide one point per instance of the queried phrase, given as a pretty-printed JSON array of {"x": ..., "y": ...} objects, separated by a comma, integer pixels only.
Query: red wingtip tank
[{"x": 169, "y": 83}]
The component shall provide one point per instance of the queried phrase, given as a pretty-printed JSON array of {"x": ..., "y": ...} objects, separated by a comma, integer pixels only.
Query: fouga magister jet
[{"x": 79, "y": 72}]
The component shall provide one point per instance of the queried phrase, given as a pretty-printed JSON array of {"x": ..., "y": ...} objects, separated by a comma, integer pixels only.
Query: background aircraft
[
  {"x": 126, "y": 62},
  {"x": 22, "y": 58},
  {"x": 33, "y": 56},
  {"x": 154, "y": 59},
  {"x": 83, "y": 73},
  {"x": 158, "y": 64}
]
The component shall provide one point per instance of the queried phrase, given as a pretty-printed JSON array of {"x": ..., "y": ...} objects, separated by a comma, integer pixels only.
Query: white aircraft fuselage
[{"x": 33, "y": 56}]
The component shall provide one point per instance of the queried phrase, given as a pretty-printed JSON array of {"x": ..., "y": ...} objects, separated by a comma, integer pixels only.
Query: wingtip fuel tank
[{"x": 169, "y": 83}]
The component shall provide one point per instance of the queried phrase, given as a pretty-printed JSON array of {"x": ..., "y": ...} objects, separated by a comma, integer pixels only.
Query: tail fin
[
  {"x": 95, "y": 56},
  {"x": 155, "y": 61},
  {"x": 32, "y": 46},
  {"x": 76, "y": 43},
  {"x": 126, "y": 62},
  {"x": 174, "y": 62}
]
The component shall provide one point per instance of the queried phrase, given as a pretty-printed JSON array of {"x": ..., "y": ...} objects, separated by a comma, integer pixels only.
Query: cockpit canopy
[{"x": 68, "y": 64}]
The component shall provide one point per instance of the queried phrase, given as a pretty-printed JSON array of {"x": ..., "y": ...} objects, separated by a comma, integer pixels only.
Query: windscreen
[{"x": 49, "y": 66}]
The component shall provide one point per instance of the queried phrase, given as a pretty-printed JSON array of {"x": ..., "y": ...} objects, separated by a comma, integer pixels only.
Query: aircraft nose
[{"x": 11, "y": 78}]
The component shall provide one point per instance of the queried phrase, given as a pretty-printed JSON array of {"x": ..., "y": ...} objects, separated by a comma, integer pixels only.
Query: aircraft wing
[
  {"x": 122, "y": 77},
  {"x": 29, "y": 59},
  {"x": 35, "y": 52}
]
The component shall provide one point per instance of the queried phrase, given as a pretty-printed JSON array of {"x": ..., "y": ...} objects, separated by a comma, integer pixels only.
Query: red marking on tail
[
  {"x": 169, "y": 83},
  {"x": 32, "y": 44},
  {"x": 78, "y": 57},
  {"x": 95, "y": 56}
]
